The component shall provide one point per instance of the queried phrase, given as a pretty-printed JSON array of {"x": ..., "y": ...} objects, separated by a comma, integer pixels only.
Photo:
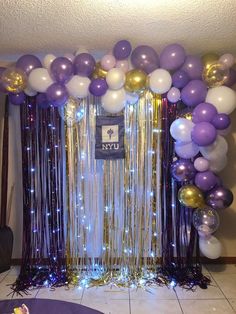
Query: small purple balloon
[
  {"x": 205, "y": 181},
  {"x": 62, "y": 69},
  {"x": 27, "y": 63},
  {"x": 219, "y": 198},
  {"x": 122, "y": 49},
  {"x": 194, "y": 93},
  {"x": 193, "y": 67},
  {"x": 204, "y": 112},
  {"x": 201, "y": 164},
  {"x": 221, "y": 121},
  {"x": 204, "y": 134},
  {"x": 183, "y": 170},
  {"x": 172, "y": 57},
  {"x": 180, "y": 79},
  {"x": 84, "y": 64},
  {"x": 145, "y": 58},
  {"x": 173, "y": 95},
  {"x": 17, "y": 99},
  {"x": 98, "y": 87},
  {"x": 57, "y": 94},
  {"x": 42, "y": 101},
  {"x": 2, "y": 88}
]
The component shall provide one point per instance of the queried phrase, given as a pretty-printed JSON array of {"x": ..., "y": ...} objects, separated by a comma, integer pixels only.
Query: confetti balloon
[
  {"x": 209, "y": 58},
  {"x": 206, "y": 220},
  {"x": 14, "y": 80},
  {"x": 216, "y": 75},
  {"x": 190, "y": 196}
]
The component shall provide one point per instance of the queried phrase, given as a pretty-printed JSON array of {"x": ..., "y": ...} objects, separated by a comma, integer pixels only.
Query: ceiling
[{"x": 59, "y": 26}]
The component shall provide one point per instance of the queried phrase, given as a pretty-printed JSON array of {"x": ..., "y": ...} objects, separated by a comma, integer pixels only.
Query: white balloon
[
  {"x": 218, "y": 164},
  {"x": 186, "y": 150},
  {"x": 181, "y": 130},
  {"x": 29, "y": 91},
  {"x": 132, "y": 98},
  {"x": 114, "y": 100},
  {"x": 216, "y": 150},
  {"x": 223, "y": 98},
  {"x": 40, "y": 80},
  {"x": 78, "y": 86},
  {"x": 115, "y": 78},
  {"x": 210, "y": 247},
  {"x": 160, "y": 81},
  {"x": 47, "y": 61}
]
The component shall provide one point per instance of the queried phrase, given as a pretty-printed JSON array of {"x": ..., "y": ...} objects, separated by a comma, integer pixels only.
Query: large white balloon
[
  {"x": 210, "y": 247},
  {"x": 29, "y": 91},
  {"x": 115, "y": 78},
  {"x": 160, "y": 81},
  {"x": 39, "y": 80},
  {"x": 186, "y": 150},
  {"x": 114, "y": 100},
  {"x": 223, "y": 98},
  {"x": 216, "y": 150},
  {"x": 47, "y": 61},
  {"x": 78, "y": 86},
  {"x": 181, "y": 130},
  {"x": 218, "y": 164}
]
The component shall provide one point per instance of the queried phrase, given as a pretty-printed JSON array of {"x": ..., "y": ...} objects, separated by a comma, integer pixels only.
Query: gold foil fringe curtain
[{"x": 114, "y": 216}]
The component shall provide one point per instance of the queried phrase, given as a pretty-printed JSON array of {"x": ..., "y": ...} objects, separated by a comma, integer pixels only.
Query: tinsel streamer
[{"x": 43, "y": 252}]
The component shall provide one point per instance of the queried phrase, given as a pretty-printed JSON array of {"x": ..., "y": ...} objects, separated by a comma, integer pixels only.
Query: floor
[{"x": 219, "y": 298}]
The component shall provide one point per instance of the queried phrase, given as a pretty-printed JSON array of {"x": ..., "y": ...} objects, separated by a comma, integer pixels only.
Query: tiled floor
[{"x": 219, "y": 298}]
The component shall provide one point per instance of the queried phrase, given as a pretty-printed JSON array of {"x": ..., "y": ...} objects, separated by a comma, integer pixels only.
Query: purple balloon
[
  {"x": 57, "y": 94},
  {"x": 98, "y": 87},
  {"x": 186, "y": 150},
  {"x": 180, "y": 79},
  {"x": 204, "y": 134},
  {"x": 122, "y": 49},
  {"x": 193, "y": 67},
  {"x": 194, "y": 93},
  {"x": 205, "y": 181},
  {"x": 62, "y": 69},
  {"x": 183, "y": 170},
  {"x": 42, "y": 101},
  {"x": 84, "y": 64},
  {"x": 219, "y": 198},
  {"x": 204, "y": 112},
  {"x": 2, "y": 88},
  {"x": 27, "y": 63},
  {"x": 231, "y": 80},
  {"x": 17, "y": 99},
  {"x": 221, "y": 121},
  {"x": 172, "y": 57},
  {"x": 145, "y": 58}
]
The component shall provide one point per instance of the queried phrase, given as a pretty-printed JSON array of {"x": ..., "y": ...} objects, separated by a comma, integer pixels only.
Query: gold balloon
[
  {"x": 190, "y": 196},
  {"x": 14, "y": 80},
  {"x": 209, "y": 58},
  {"x": 99, "y": 72},
  {"x": 216, "y": 75},
  {"x": 135, "y": 81},
  {"x": 185, "y": 113}
]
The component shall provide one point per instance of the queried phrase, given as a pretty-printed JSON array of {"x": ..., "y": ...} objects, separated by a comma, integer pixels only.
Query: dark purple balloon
[
  {"x": 180, "y": 79},
  {"x": 219, "y": 198},
  {"x": 172, "y": 57},
  {"x": 27, "y": 63},
  {"x": 17, "y": 99},
  {"x": 84, "y": 64},
  {"x": 145, "y": 58},
  {"x": 2, "y": 88},
  {"x": 194, "y": 93},
  {"x": 193, "y": 67},
  {"x": 122, "y": 49},
  {"x": 221, "y": 121},
  {"x": 183, "y": 170},
  {"x": 205, "y": 181},
  {"x": 98, "y": 87},
  {"x": 42, "y": 101},
  {"x": 62, "y": 70},
  {"x": 231, "y": 78},
  {"x": 204, "y": 134},
  {"x": 204, "y": 112},
  {"x": 57, "y": 94}
]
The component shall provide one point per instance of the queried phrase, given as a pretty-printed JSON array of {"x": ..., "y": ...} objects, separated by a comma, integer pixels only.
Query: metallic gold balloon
[
  {"x": 99, "y": 72},
  {"x": 209, "y": 58},
  {"x": 190, "y": 196},
  {"x": 216, "y": 74},
  {"x": 14, "y": 80},
  {"x": 135, "y": 81},
  {"x": 185, "y": 113}
]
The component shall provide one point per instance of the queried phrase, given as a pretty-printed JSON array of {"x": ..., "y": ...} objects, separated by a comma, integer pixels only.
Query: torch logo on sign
[{"x": 110, "y": 137}]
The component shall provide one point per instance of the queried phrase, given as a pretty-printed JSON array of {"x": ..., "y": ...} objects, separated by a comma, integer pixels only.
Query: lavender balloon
[
  {"x": 98, "y": 87},
  {"x": 173, "y": 95},
  {"x": 42, "y": 101},
  {"x": 122, "y": 49},
  {"x": 201, "y": 164},
  {"x": 27, "y": 63},
  {"x": 204, "y": 112},
  {"x": 62, "y": 70},
  {"x": 193, "y": 67},
  {"x": 84, "y": 64},
  {"x": 183, "y": 170},
  {"x": 205, "y": 181},
  {"x": 219, "y": 198},
  {"x": 180, "y": 79},
  {"x": 17, "y": 99},
  {"x": 186, "y": 150},
  {"x": 221, "y": 121},
  {"x": 57, "y": 94},
  {"x": 194, "y": 93},
  {"x": 172, "y": 57},
  {"x": 204, "y": 134},
  {"x": 145, "y": 58}
]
